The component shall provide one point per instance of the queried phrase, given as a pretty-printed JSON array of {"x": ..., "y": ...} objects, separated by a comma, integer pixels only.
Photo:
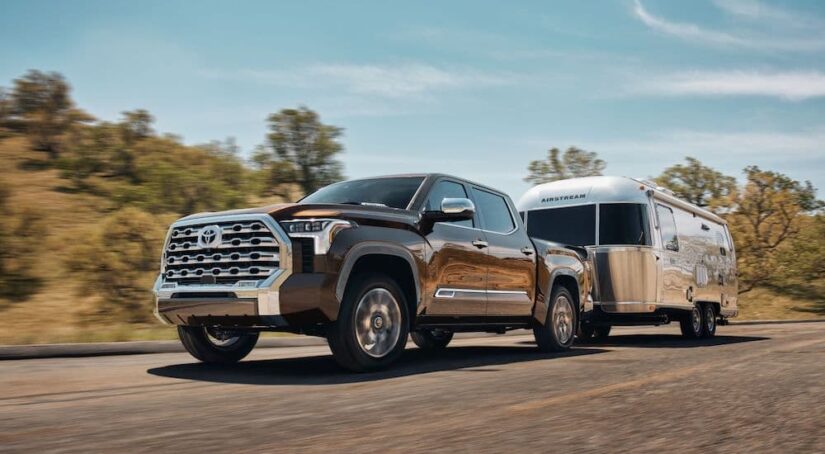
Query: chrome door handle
[
  {"x": 527, "y": 250},
  {"x": 481, "y": 244}
]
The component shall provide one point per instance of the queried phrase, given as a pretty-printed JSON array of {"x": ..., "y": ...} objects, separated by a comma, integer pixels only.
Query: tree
[
  {"x": 42, "y": 107},
  {"x": 5, "y": 110},
  {"x": 696, "y": 183},
  {"x": 118, "y": 261},
  {"x": 573, "y": 163},
  {"x": 137, "y": 125},
  {"x": 21, "y": 230},
  {"x": 765, "y": 213},
  {"x": 302, "y": 150}
]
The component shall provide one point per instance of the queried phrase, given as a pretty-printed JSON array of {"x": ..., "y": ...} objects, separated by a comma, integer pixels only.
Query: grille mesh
[{"x": 248, "y": 251}]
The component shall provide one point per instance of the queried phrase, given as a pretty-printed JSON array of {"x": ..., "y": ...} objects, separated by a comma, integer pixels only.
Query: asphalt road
[{"x": 752, "y": 389}]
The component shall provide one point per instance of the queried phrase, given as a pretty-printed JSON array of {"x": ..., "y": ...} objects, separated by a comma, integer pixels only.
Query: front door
[
  {"x": 673, "y": 280},
  {"x": 457, "y": 272},
  {"x": 511, "y": 272}
]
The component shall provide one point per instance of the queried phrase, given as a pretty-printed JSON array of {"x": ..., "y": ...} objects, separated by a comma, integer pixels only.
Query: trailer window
[
  {"x": 624, "y": 223},
  {"x": 575, "y": 226},
  {"x": 667, "y": 228}
]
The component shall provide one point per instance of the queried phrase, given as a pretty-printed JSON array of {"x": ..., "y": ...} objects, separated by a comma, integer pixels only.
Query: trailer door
[{"x": 672, "y": 275}]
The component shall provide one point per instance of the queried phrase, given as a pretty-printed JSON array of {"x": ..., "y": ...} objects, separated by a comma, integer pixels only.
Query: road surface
[{"x": 752, "y": 389}]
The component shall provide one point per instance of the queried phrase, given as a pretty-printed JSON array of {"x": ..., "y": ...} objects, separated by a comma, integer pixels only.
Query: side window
[
  {"x": 667, "y": 228},
  {"x": 495, "y": 213},
  {"x": 446, "y": 189}
]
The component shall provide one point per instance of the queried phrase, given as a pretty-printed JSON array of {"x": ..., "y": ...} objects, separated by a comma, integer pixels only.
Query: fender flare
[
  {"x": 540, "y": 310},
  {"x": 375, "y": 248}
]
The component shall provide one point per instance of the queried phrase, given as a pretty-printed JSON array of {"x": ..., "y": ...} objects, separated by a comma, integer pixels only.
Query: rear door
[
  {"x": 511, "y": 272},
  {"x": 457, "y": 271}
]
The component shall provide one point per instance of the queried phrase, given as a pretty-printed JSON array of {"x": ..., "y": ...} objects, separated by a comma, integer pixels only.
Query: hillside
[{"x": 62, "y": 309}]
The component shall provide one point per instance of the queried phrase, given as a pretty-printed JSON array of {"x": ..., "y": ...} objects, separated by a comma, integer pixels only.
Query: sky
[{"x": 473, "y": 88}]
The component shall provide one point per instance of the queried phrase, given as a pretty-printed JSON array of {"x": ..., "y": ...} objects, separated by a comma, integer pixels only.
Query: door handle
[
  {"x": 481, "y": 244},
  {"x": 526, "y": 250}
]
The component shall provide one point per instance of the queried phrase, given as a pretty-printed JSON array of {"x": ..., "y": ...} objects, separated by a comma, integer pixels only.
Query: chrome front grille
[{"x": 244, "y": 250}]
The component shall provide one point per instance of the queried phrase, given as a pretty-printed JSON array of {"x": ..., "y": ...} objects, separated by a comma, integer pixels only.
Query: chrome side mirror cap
[{"x": 458, "y": 206}]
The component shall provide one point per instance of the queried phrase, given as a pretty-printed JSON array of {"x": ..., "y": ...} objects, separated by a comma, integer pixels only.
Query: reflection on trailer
[{"x": 655, "y": 258}]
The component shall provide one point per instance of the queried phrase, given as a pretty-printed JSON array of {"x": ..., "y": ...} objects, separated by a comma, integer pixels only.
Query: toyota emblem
[{"x": 209, "y": 237}]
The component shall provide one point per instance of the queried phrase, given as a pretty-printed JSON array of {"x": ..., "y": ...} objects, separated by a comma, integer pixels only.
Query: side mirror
[{"x": 452, "y": 210}]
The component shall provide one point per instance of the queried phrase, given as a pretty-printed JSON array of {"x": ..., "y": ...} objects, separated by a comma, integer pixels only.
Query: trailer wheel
[
  {"x": 213, "y": 345},
  {"x": 372, "y": 326},
  {"x": 601, "y": 332},
  {"x": 559, "y": 327},
  {"x": 709, "y": 320},
  {"x": 431, "y": 339},
  {"x": 691, "y": 323}
]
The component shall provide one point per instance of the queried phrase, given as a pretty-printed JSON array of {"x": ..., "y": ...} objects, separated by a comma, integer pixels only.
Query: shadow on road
[
  {"x": 322, "y": 370},
  {"x": 663, "y": 341}
]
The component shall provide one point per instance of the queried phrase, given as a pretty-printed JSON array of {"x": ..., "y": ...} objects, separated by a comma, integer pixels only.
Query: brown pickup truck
[{"x": 365, "y": 263}]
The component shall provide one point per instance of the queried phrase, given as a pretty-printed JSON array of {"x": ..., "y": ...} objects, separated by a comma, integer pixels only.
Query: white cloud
[
  {"x": 768, "y": 40},
  {"x": 754, "y": 10},
  {"x": 790, "y": 85},
  {"x": 384, "y": 81}
]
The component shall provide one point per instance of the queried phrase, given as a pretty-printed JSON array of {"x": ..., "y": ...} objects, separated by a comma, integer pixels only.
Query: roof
[{"x": 602, "y": 189}]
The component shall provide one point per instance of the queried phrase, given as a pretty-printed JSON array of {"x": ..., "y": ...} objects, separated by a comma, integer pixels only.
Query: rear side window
[
  {"x": 447, "y": 189},
  {"x": 624, "y": 223},
  {"x": 575, "y": 226},
  {"x": 495, "y": 213},
  {"x": 667, "y": 228}
]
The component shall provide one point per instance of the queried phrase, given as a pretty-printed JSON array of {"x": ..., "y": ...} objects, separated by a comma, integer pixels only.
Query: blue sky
[{"x": 477, "y": 88}]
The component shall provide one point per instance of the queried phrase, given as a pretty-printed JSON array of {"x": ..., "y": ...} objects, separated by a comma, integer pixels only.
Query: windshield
[{"x": 392, "y": 192}]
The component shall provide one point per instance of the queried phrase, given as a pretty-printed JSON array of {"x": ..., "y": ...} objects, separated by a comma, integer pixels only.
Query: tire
[
  {"x": 692, "y": 324},
  {"x": 602, "y": 332},
  {"x": 557, "y": 333},
  {"x": 372, "y": 326},
  {"x": 708, "y": 320},
  {"x": 586, "y": 332},
  {"x": 215, "y": 347},
  {"x": 429, "y": 339}
]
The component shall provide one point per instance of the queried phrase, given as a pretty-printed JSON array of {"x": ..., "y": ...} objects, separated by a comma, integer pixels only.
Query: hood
[{"x": 362, "y": 214}]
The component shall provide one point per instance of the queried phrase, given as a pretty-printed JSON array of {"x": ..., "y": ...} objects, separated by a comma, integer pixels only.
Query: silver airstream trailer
[{"x": 655, "y": 258}]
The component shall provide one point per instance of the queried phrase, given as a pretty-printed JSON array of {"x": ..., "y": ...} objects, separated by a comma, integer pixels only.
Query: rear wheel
[
  {"x": 691, "y": 324},
  {"x": 372, "y": 326},
  {"x": 557, "y": 332},
  {"x": 431, "y": 339},
  {"x": 709, "y": 320},
  {"x": 215, "y": 345}
]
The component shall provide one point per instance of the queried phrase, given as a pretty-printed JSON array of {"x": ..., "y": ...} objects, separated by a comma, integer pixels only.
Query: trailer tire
[
  {"x": 692, "y": 323},
  {"x": 372, "y": 326},
  {"x": 708, "y": 320},
  {"x": 557, "y": 332},
  {"x": 429, "y": 339},
  {"x": 207, "y": 345}
]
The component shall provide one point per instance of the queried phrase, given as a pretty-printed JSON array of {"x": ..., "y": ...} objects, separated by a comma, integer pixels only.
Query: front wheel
[
  {"x": 559, "y": 327},
  {"x": 215, "y": 345},
  {"x": 431, "y": 339},
  {"x": 372, "y": 326}
]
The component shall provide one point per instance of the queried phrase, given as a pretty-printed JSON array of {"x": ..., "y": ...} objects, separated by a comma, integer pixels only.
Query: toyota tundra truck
[{"x": 366, "y": 263}]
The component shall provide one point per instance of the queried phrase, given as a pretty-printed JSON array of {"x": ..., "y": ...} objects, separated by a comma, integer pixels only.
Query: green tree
[
  {"x": 43, "y": 108},
  {"x": 21, "y": 231},
  {"x": 697, "y": 183},
  {"x": 5, "y": 111},
  {"x": 137, "y": 125},
  {"x": 119, "y": 261},
  {"x": 766, "y": 213},
  {"x": 301, "y": 150},
  {"x": 573, "y": 163}
]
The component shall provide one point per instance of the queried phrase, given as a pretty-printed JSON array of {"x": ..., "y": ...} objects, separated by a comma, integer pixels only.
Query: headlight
[{"x": 322, "y": 231}]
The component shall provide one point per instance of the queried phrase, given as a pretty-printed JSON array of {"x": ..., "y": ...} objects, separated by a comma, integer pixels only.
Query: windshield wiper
[{"x": 371, "y": 204}]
